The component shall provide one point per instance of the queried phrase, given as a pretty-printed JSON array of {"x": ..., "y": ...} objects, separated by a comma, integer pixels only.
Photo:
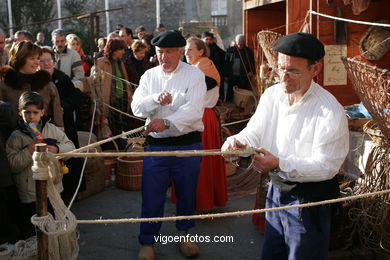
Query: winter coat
[
  {"x": 70, "y": 101},
  {"x": 8, "y": 121},
  {"x": 105, "y": 81},
  {"x": 20, "y": 157},
  {"x": 14, "y": 83}
]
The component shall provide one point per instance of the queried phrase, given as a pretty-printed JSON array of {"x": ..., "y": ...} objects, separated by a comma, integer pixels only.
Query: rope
[
  {"x": 230, "y": 214},
  {"x": 244, "y": 153},
  {"x": 235, "y": 122},
  {"x": 61, "y": 230},
  {"x": 348, "y": 20},
  {"x": 86, "y": 159},
  {"x": 120, "y": 111},
  {"x": 81, "y": 149},
  {"x": 117, "y": 78}
]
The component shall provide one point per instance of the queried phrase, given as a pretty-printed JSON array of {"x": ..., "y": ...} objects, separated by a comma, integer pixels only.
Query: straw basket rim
[
  {"x": 121, "y": 159},
  {"x": 371, "y": 128}
]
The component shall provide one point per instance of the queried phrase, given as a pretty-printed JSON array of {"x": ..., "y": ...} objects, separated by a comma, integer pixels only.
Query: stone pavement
[{"x": 119, "y": 241}]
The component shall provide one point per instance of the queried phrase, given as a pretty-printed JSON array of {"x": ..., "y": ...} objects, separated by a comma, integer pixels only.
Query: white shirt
[
  {"x": 187, "y": 87},
  {"x": 211, "y": 98},
  {"x": 310, "y": 137}
]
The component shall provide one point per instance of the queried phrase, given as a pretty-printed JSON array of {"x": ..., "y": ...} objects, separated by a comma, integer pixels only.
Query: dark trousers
[
  {"x": 295, "y": 234},
  {"x": 156, "y": 175}
]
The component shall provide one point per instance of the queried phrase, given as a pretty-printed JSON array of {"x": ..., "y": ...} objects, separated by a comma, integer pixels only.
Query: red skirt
[{"x": 212, "y": 185}]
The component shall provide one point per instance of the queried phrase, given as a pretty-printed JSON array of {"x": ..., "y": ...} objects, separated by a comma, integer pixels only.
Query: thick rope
[
  {"x": 231, "y": 214},
  {"x": 243, "y": 152},
  {"x": 124, "y": 134}
]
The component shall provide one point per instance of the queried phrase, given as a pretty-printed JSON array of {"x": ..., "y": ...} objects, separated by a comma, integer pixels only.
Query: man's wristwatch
[{"x": 167, "y": 123}]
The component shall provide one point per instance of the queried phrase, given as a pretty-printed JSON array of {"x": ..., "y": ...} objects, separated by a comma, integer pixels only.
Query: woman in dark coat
[
  {"x": 9, "y": 201},
  {"x": 70, "y": 101},
  {"x": 139, "y": 62}
]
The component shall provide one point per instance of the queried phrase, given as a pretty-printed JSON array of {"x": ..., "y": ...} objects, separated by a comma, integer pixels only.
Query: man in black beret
[
  {"x": 303, "y": 134},
  {"x": 171, "y": 97}
]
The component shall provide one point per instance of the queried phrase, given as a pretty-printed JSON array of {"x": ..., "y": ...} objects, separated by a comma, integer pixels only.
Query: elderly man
[
  {"x": 303, "y": 132},
  {"x": 171, "y": 97},
  {"x": 67, "y": 60},
  {"x": 239, "y": 65},
  {"x": 3, "y": 53}
]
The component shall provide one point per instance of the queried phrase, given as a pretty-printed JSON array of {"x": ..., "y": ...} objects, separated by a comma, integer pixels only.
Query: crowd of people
[{"x": 174, "y": 81}]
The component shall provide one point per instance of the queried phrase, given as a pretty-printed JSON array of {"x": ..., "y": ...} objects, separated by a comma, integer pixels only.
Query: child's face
[{"x": 31, "y": 114}]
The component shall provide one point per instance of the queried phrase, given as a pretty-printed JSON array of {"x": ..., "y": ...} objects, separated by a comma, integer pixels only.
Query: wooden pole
[
  {"x": 92, "y": 30},
  {"x": 41, "y": 207}
]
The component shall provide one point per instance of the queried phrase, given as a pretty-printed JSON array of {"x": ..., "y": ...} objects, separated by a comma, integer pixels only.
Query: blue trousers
[
  {"x": 156, "y": 175},
  {"x": 298, "y": 234}
]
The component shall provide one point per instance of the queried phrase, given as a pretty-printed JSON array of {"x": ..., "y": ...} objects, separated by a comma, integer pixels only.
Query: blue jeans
[
  {"x": 299, "y": 234},
  {"x": 156, "y": 175}
]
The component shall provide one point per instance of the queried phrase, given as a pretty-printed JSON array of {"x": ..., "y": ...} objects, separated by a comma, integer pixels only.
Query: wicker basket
[
  {"x": 374, "y": 45},
  {"x": 223, "y": 113},
  {"x": 129, "y": 174},
  {"x": 372, "y": 130},
  {"x": 244, "y": 98}
]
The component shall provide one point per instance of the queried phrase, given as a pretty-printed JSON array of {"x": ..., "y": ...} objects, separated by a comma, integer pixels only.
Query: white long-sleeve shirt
[
  {"x": 310, "y": 137},
  {"x": 187, "y": 86}
]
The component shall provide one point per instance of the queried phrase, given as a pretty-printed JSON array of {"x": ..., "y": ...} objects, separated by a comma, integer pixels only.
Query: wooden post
[
  {"x": 92, "y": 30},
  {"x": 41, "y": 204}
]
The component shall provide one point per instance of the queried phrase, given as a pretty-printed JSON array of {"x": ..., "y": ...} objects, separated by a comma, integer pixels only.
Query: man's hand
[
  {"x": 156, "y": 125},
  {"x": 232, "y": 145},
  {"x": 264, "y": 161},
  {"x": 165, "y": 98}
]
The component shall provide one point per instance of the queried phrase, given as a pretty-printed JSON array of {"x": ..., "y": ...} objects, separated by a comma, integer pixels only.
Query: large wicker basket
[
  {"x": 129, "y": 174},
  {"x": 372, "y": 85}
]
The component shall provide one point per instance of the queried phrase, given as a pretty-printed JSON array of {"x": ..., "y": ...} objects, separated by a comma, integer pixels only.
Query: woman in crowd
[
  {"x": 150, "y": 50},
  {"x": 70, "y": 100},
  {"x": 212, "y": 187},
  {"x": 22, "y": 74},
  {"x": 74, "y": 43},
  {"x": 113, "y": 86},
  {"x": 139, "y": 62}
]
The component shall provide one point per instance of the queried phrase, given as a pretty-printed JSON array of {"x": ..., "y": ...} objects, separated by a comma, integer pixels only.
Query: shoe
[
  {"x": 189, "y": 249},
  {"x": 146, "y": 253}
]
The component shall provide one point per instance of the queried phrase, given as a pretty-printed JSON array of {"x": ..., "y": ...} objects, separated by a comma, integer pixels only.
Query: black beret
[
  {"x": 169, "y": 39},
  {"x": 300, "y": 44}
]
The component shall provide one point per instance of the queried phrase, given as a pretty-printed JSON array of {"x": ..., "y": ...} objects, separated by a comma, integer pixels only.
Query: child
[{"x": 21, "y": 145}]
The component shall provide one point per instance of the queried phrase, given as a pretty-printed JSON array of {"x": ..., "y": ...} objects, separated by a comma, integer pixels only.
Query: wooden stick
[{"x": 41, "y": 207}]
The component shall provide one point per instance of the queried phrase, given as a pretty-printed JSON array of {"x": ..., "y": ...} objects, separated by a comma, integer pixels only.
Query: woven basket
[
  {"x": 373, "y": 45},
  {"x": 129, "y": 174},
  {"x": 244, "y": 98},
  {"x": 372, "y": 130},
  {"x": 222, "y": 112},
  {"x": 372, "y": 85}
]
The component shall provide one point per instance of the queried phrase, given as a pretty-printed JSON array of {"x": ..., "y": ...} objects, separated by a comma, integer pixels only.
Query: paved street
[{"x": 119, "y": 241}]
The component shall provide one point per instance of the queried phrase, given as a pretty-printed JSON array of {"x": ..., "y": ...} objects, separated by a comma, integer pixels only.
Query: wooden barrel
[{"x": 129, "y": 173}]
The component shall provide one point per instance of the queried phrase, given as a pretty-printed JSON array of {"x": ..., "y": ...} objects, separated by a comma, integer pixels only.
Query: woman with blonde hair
[
  {"x": 74, "y": 42},
  {"x": 22, "y": 74},
  {"x": 212, "y": 187}
]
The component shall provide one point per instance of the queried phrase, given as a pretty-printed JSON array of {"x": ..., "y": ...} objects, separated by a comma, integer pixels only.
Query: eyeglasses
[{"x": 290, "y": 74}]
